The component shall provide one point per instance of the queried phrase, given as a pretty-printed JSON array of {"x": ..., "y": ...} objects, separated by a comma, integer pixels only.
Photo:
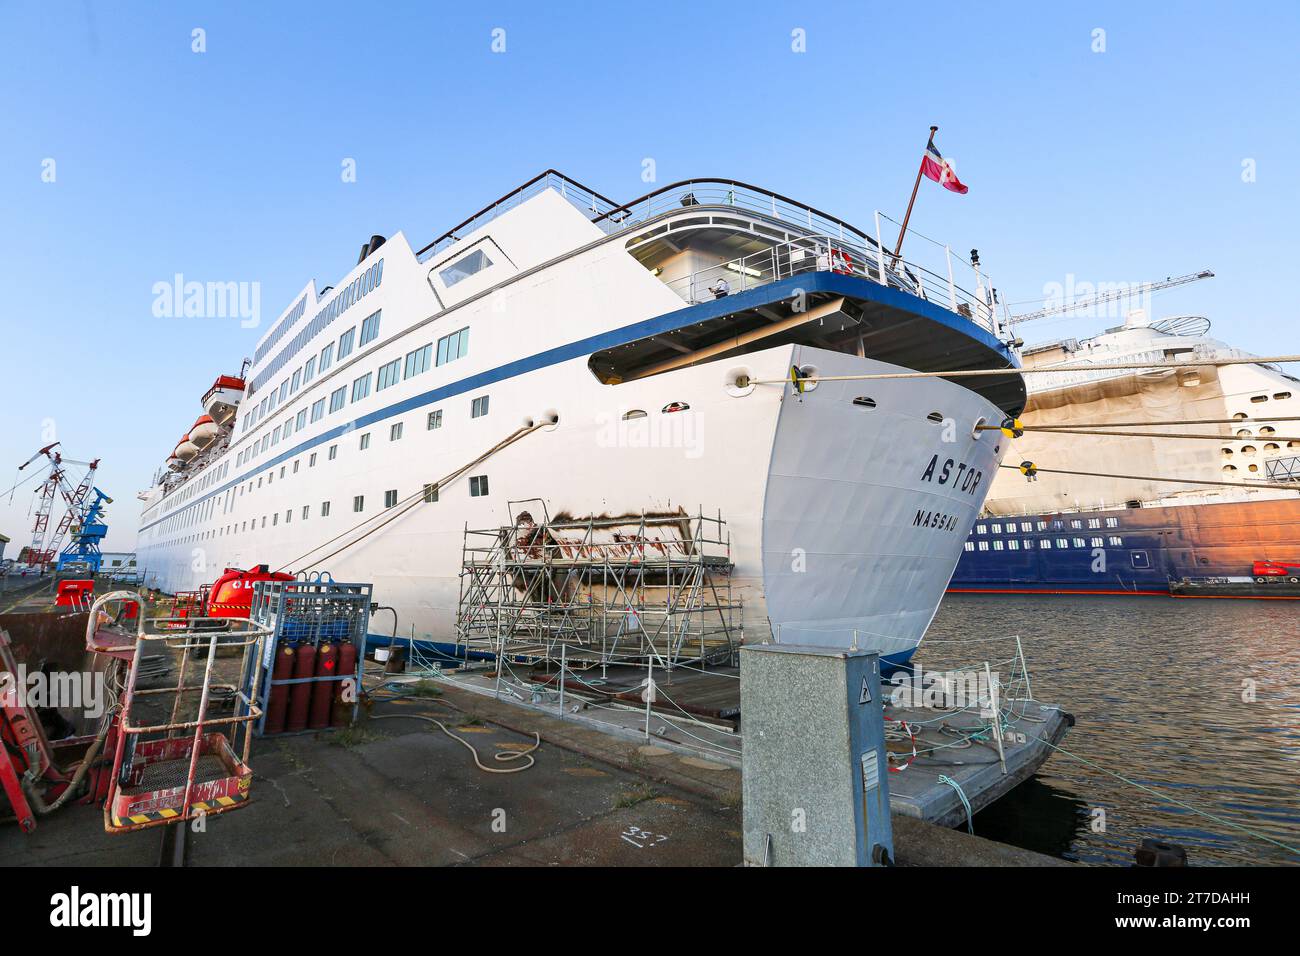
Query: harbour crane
[
  {"x": 88, "y": 530},
  {"x": 45, "y": 545},
  {"x": 1110, "y": 295}
]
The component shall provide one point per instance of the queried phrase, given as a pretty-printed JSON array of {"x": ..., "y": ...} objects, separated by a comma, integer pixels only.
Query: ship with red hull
[
  {"x": 1069, "y": 534},
  {"x": 1131, "y": 551}
]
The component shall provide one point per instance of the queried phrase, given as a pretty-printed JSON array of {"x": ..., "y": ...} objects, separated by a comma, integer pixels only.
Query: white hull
[{"x": 846, "y": 521}]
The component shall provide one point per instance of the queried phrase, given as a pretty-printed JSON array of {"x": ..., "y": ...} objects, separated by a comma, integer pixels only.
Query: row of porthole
[
  {"x": 634, "y": 413},
  {"x": 740, "y": 383},
  {"x": 1270, "y": 448}
]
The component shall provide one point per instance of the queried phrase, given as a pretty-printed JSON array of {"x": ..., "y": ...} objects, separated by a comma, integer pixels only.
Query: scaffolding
[{"x": 600, "y": 590}]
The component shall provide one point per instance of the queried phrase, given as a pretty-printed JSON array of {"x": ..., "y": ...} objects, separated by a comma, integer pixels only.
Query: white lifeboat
[
  {"x": 185, "y": 449},
  {"x": 223, "y": 398},
  {"x": 204, "y": 432}
]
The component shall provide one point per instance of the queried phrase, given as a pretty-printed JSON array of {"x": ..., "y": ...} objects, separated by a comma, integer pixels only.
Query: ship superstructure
[{"x": 605, "y": 360}]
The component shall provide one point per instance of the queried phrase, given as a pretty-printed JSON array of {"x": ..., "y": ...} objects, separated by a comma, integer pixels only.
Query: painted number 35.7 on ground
[{"x": 642, "y": 838}]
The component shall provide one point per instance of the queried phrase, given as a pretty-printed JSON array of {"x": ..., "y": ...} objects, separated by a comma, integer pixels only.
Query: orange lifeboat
[
  {"x": 185, "y": 449},
  {"x": 223, "y": 398},
  {"x": 204, "y": 432}
]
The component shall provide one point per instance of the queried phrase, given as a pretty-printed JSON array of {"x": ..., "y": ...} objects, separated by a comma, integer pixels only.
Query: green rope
[{"x": 1185, "y": 806}]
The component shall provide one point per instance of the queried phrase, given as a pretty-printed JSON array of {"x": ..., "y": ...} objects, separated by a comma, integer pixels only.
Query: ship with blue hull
[{"x": 1077, "y": 534}]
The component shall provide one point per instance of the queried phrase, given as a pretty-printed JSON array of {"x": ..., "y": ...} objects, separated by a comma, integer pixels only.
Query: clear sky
[{"x": 1171, "y": 149}]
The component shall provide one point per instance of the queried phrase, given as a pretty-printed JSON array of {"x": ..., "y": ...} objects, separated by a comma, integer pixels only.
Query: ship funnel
[
  {"x": 1136, "y": 319},
  {"x": 368, "y": 247}
]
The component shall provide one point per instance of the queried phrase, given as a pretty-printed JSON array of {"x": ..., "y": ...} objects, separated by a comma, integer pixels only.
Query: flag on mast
[{"x": 935, "y": 167}]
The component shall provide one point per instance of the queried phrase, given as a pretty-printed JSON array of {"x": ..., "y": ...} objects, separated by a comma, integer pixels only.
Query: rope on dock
[
  {"x": 503, "y": 757},
  {"x": 970, "y": 822},
  {"x": 1176, "y": 481}
]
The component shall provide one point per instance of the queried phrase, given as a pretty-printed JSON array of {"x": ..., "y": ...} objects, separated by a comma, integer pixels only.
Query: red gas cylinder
[
  {"x": 278, "y": 702},
  {"x": 322, "y": 692},
  {"x": 345, "y": 696},
  {"x": 304, "y": 665}
]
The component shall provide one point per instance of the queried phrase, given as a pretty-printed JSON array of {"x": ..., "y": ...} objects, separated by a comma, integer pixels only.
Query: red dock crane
[{"x": 44, "y": 546}]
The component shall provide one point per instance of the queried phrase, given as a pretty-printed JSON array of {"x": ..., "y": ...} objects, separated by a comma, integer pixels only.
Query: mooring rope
[
  {"x": 1068, "y": 430},
  {"x": 1186, "y": 421},
  {"x": 970, "y": 821},
  {"x": 1164, "y": 796},
  {"x": 1178, "y": 481},
  {"x": 405, "y": 505},
  {"x": 1054, "y": 370}
]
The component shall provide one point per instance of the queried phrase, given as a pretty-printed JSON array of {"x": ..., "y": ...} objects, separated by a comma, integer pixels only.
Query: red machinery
[
  {"x": 76, "y": 594},
  {"x": 148, "y": 766},
  {"x": 1276, "y": 569},
  {"x": 39, "y": 774},
  {"x": 229, "y": 596},
  {"x": 168, "y": 771}
]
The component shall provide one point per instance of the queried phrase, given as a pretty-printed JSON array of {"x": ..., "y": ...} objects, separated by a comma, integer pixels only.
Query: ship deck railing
[
  {"x": 1283, "y": 469},
  {"x": 827, "y": 253},
  {"x": 933, "y": 273}
]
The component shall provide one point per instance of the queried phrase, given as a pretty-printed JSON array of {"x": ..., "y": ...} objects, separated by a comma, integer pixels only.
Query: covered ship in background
[{"x": 1134, "y": 535}]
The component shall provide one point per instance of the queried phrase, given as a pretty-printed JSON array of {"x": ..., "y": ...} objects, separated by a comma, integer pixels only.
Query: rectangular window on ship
[
  {"x": 418, "y": 361},
  {"x": 453, "y": 346},
  {"x": 389, "y": 374},
  {"x": 346, "y": 341}
]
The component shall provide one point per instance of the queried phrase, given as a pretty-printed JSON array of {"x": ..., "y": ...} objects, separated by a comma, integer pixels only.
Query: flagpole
[{"x": 915, "y": 186}]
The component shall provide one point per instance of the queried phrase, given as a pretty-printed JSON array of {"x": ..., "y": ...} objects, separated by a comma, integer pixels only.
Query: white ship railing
[
  {"x": 1283, "y": 469},
  {"x": 588, "y": 200},
  {"x": 931, "y": 270},
  {"x": 825, "y": 253},
  {"x": 1077, "y": 371}
]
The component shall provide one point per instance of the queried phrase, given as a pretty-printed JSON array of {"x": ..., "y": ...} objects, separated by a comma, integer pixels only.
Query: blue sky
[{"x": 1113, "y": 166}]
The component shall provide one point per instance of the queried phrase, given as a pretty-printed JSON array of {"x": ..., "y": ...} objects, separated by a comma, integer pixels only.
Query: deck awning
[{"x": 828, "y": 310}]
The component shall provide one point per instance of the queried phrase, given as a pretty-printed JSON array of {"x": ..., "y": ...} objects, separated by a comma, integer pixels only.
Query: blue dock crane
[{"x": 88, "y": 530}]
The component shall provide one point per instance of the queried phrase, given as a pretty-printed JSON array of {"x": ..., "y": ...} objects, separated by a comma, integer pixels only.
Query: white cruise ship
[{"x": 528, "y": 352}]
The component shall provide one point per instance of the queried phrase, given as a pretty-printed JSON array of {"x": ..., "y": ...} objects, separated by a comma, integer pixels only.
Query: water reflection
[{"x": 1199, "y": 700}]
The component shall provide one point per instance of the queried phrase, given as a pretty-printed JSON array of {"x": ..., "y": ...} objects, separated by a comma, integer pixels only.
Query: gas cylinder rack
[{"x": 317, "y": 645}]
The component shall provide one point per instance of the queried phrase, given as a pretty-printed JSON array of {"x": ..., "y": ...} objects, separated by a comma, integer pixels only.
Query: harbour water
[{"x": 1161, "y": 689}]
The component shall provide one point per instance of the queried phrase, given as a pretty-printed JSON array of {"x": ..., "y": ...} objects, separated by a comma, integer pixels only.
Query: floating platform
[{"x": 1277, "y": 588}]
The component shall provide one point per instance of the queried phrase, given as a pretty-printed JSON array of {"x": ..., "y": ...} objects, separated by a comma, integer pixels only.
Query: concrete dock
[
  {"x": 399, "y": 792},
  {"x": 396, "y": 790}
]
